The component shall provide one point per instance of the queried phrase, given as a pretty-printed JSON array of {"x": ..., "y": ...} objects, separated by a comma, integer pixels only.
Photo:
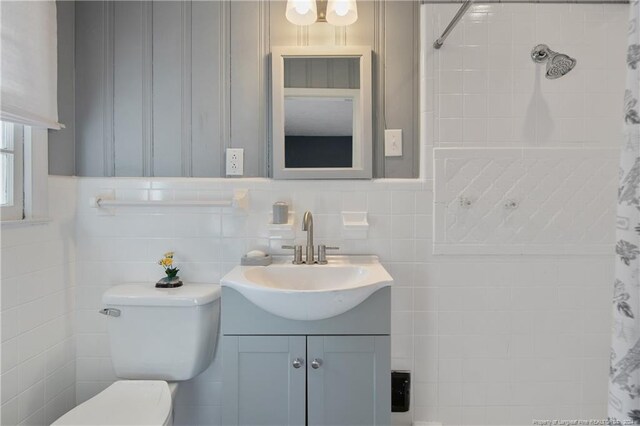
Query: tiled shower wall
[
  {"x": 489, "y": 339},
  {"x": 487, "y": 92},
  {"x": 521, "y": 337},
  {"x": 37, "y": 313}
]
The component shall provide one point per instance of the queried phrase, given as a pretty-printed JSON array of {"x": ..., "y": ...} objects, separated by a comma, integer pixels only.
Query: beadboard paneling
[
  {"x": 62, "y": 142},
  {"x": 164, "y": 87},
  {"x": 208, "y": 75},
  {"x": 249, "y": 83},
  {"x": 129, "y": 79},
  {"x": 169, "y": 98},
  {"x": 93, "y": 97},
  {"x": 401, "y": 83}
]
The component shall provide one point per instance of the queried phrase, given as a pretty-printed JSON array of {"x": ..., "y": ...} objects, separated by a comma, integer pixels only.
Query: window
[
  {"x": 11, "y": 171},
  {"x": 28, "y": 98}
]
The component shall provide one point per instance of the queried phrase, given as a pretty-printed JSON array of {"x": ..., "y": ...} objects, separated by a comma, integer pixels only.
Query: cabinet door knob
[
  {"x": 316, "y": 363},
  {"x": 297, "y": 363}
]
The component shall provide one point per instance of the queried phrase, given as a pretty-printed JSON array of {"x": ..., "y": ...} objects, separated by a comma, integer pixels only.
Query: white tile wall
[
  {"x": 490, "y": 339},
  {"x": 524, "y": 200},
  {"x": 209, "y": 242},
  {"x": 487, "y": 91},
  {"x": 516, "y": 338},
  {"x": 38, "y": 299}
]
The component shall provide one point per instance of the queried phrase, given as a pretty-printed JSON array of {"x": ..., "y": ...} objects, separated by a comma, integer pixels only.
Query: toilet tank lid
[{"x": 145, "y": 294}]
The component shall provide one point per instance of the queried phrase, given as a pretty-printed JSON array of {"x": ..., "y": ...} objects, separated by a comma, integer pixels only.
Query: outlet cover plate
[{"x": 235, "y": 162}]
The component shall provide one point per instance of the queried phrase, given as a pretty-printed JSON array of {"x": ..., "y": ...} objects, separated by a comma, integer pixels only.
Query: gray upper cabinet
[{"x": 162, "y": 88}]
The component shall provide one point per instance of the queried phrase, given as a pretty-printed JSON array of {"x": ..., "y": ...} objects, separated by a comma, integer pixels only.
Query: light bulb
[
  {"x": 342, "y": 8},
  {"x": 301, "y": 12},
  {"x": 302, "y": 7},
  {"x": 342, "y": 12}
]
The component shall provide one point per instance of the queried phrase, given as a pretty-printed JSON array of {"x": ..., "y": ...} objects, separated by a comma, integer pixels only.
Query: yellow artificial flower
[{"x": 167, "y": 263}]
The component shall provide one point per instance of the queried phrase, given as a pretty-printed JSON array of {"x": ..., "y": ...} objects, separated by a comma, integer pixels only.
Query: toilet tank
[{"x": 162, "y": 334}]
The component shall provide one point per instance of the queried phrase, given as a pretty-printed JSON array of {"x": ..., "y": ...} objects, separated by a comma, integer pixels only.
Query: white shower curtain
[{"x": 624, "y": 374}]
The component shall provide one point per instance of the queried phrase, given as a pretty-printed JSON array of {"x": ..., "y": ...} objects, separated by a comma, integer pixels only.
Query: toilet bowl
[
  {"x": 126, "y": 402},
  {"x": 158, "y": 337}
]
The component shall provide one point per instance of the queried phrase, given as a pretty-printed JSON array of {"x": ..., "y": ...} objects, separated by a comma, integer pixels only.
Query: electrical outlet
[
  {"x": 393, "y": 143},
  {"x": 235, "y": 161}
]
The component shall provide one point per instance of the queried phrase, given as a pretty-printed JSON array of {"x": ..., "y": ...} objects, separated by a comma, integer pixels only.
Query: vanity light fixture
[
  {"x": 301, "y": 12},
  {"x": 342, "y": 12},
  {"x": 335, "y": 12}
]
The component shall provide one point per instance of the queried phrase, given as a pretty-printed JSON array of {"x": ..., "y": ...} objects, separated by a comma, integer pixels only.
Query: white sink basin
[{"x": 309, "y": 292}]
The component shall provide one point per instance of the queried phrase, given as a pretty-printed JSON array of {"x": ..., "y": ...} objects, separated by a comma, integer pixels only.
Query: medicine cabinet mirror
[{"x": 321, "y": 111}]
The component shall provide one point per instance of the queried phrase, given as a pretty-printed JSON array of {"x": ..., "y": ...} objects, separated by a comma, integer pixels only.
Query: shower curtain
[{"x": 624, "y": 371}]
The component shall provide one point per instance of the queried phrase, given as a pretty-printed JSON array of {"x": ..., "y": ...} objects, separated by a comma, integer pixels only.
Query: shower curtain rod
[
  {"x": 458, "y": 16},
  {"x": 526, "y": 1},
  {"x": 466, "y": 4}
]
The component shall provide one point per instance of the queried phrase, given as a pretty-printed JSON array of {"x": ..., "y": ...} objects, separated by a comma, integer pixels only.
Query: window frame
[
  {"x": 16, "y": 211},
  {"x": 36, "y": 174},
  {"x": 35, "y": 180}
]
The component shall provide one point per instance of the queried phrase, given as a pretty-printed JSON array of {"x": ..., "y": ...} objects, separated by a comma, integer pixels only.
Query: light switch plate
[
  {"x": 393, "y": 143},
  {"x": 235, "y": 161}
]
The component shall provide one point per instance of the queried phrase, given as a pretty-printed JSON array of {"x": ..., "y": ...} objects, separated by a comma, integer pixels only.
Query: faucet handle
[
  {"x": 297, "y": 253},
  {"x": 322, "y": 253}
]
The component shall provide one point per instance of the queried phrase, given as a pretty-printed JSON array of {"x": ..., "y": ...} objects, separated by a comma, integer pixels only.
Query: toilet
[{"x": 158, "y": 338}]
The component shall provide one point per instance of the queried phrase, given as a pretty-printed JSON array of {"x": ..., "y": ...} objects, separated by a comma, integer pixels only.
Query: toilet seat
[{"x": 125, "y": 402}]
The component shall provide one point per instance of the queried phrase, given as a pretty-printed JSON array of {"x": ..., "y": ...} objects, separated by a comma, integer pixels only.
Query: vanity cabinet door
[
  {"x": 348, "y": 380},
  {"x": 262, "y": 385}
]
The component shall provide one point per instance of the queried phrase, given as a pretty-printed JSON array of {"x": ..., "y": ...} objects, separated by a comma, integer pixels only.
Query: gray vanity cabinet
[
  {"x": 351, "y": 382},
  {"x": 326, "y": 372},
  {"x": 267, "y": 389}
]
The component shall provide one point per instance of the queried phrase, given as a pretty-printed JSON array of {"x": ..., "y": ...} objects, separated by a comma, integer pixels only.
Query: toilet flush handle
[{"x": 112, "y": 312}]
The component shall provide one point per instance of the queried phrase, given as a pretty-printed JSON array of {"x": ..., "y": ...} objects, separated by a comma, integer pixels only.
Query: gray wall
[
  {"x": 62, "y": 142},
  {"x": 163, "y": 88}
]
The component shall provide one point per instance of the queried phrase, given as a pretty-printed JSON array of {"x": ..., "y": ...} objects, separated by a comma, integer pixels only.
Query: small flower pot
[{"x": 169, "y": 282}]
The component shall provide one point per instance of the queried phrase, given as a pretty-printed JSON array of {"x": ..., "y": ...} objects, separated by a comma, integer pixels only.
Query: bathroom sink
[{"x": 309, "y": 292}]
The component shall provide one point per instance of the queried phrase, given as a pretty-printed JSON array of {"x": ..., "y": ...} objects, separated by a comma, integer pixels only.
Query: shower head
[{"x": 558, "y": 64}]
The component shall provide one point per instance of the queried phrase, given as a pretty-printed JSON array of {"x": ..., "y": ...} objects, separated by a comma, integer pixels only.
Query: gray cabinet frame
[
  {"x": 264, "y": 391},
  {"x": 352, "y": 386}
]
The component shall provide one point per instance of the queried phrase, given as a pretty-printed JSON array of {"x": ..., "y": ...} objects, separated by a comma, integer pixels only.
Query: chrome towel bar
[{"x": 239, "y": 200}]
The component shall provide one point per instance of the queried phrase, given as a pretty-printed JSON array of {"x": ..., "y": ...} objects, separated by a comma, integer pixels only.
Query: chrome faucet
[{"x": 307, "y": 225}]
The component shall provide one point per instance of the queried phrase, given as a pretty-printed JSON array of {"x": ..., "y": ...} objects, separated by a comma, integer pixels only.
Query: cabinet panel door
[
  {"x": 351, "y": 386},
  {"x": 261, "y": 385}
]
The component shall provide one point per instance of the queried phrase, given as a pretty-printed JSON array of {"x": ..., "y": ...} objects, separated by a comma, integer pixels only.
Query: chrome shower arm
[{"x": 458, "y": 16}]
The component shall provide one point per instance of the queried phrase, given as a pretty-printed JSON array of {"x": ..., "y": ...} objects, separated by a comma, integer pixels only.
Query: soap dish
[{"x": 256, "y": 261}]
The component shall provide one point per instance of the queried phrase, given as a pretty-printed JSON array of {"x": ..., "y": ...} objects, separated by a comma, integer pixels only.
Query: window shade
[{"x": 28, "y": 72}]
